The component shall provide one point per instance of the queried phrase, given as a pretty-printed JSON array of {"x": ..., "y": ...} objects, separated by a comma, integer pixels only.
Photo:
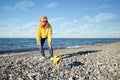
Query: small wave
[
  {"x": 76, "y": 46},
  {"x": 17, "y": 50}
]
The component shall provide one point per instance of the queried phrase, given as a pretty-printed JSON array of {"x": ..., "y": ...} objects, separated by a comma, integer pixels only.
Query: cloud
[
  {"x": 103, "y": 6},
  {"x": 67, "y": 29},
  {"x": 56, "y": 19},
  {"x": 12, "y": 28},
  {"x": 28, "y": 30},
  {"x": 68, "y": 23},
  {"x": 88, "y": 19},
  {"x": 30, "y": 24},
  {"x": 102, "y": 17},
  {"x": 103, "y": 0},
  {"x": 9, "y": 8},
  {"x": 93, "y": 28},
  {"x": 51, "y": 5},
  {"x": 74, "y": 30},
  {"x": 9, "y": 22},
  {"x": 23, "y": 5},
  {"x": 107, "y": 17}
]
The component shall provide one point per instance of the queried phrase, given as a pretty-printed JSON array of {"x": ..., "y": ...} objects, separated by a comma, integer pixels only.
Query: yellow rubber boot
[{"x": 56, "y": 59}]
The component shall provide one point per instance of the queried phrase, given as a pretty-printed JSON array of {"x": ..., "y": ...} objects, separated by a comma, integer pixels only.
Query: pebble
[{"x": 95, "y": 63}]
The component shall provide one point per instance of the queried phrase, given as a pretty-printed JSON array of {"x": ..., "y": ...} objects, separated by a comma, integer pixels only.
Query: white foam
[{"x": 18, "y": 53}]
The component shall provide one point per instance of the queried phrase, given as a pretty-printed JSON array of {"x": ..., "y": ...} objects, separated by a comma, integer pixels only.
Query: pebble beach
[{"x": 97, "y": 62}]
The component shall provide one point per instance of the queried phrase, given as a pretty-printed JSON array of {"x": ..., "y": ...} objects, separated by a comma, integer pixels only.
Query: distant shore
[{"x": 97, "y": 62}]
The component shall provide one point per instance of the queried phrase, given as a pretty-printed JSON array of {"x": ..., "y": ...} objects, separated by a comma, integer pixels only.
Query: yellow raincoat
[{"x": 44, "y": 32}]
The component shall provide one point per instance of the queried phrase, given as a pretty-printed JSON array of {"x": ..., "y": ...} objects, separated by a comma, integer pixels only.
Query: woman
[{"x": 44, "y": 31}]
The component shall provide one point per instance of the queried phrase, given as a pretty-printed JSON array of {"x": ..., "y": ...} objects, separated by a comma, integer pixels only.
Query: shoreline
[
  {"x": 30, "y": 51},
  {"x": 98, "y": 62}
]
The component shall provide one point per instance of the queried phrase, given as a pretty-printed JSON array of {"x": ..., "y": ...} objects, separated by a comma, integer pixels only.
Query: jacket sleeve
[
  {"x": 38, "y": 35},
  {"x": 50, "y": 35}
]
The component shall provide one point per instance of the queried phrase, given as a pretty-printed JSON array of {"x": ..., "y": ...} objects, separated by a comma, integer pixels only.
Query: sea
[{"x": 23, "y": 45}]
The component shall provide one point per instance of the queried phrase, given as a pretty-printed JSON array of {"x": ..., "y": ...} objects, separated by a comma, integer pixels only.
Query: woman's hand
[
  {"x": 39, "y": 45},
  {"x": 49, "y": 45}
]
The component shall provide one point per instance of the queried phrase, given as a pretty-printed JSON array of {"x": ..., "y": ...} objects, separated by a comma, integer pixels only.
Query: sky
[{"x": 68, "y": 18}]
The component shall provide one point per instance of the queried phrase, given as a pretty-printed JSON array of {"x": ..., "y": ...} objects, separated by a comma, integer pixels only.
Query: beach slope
[{"x": 98, "y": 62}]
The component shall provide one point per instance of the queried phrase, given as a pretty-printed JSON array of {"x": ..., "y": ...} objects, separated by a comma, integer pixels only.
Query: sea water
[{"x": 16, "y": 45}]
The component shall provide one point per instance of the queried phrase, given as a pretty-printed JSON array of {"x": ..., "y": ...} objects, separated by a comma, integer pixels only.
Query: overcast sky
[{"x": 69, "y": 18}]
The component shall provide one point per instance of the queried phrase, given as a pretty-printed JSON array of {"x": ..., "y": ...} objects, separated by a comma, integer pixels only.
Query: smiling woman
[{"x": 44, "y": 31}]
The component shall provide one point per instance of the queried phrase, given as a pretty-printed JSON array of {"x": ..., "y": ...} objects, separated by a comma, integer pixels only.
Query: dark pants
[{"x": 42, "y": 49}]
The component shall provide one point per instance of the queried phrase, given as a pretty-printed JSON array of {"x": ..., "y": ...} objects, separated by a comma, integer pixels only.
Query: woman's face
[{"x": 44, "y": 22}]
